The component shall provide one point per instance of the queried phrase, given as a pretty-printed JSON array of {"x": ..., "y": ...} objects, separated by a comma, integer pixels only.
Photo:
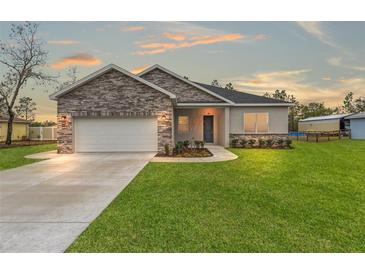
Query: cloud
[
  {"x": 326, "y": 78},
  {"x": 132, "y": 28},
  {"x": 337, "y": 62},
  {"x": 139, "y": 69},
  {"x": 174, "y": 36},
  {"x": 316, "y": 30},
  {"x": 180, "y": 41},
  {"x": 80, "y": 59},
  {"x": 63, "y": 42},
  {"x": 296, "y": 82}
]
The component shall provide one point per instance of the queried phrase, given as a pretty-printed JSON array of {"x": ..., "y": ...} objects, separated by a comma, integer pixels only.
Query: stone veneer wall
[
  {"x": 184, "y": 92},
  {"x": 113, "y": 94}
]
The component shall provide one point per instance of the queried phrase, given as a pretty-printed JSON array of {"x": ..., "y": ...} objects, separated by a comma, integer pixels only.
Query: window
[
  {"x": 256, "y": 122},
  {"x": 183, "y": 124}
]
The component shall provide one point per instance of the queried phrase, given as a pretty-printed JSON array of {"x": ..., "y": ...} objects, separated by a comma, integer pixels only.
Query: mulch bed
[
  {"x": 189, "y": 153},
  {"x": 26, "y": 143}
]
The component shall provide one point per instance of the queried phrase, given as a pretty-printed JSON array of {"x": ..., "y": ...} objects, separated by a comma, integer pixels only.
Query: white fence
[{"x": 42, "y": 133}]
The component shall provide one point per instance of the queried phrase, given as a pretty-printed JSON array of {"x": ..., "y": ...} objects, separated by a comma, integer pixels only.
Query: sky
[{"x": 314, "y": 61}]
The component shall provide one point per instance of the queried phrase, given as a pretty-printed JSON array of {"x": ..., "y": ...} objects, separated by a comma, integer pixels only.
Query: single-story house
[
  {"x": 333, "y": 122},
  {"x": 357, "y": 125},
  {"x": 20, "y": 129},
  {"x": 115, "y": 110}
]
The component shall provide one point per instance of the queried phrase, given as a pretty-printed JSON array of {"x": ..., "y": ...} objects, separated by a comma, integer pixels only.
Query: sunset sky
[{"x": 315, "y": 61}]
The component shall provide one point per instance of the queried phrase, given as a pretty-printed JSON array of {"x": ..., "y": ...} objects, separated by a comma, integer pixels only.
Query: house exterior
[
  {"x": 334, "y": 122},
  {"x": 357, "y": 125},
  {"x": 20, "y": 129},
  {"x": 115, "y": 110}
]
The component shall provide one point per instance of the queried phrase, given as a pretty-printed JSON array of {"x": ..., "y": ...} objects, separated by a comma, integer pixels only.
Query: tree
[
  {"x": 23, "y": 58},
  {"x": 294, "y": 111},
  {"x": 229, "y": 86},
  {"x": 316, "y": 109},
  {"x": 72, "y": 75},
  {"x": 2, "y": 107},
  {"x": 215, "y": 83},
  {"x": 351, "y": 105},
  {"x": 26, "y": 108}
]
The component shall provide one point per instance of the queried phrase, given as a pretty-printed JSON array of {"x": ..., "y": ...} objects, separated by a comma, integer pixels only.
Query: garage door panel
[{"x": 108, "y": 135}]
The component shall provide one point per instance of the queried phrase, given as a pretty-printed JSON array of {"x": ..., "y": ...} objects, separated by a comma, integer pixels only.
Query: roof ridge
[{"x": 243, "y": 93}]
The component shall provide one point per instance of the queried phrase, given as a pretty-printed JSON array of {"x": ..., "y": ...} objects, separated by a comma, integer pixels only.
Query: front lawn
[
  {"x": 308, "y": 199},
  {"x": 14, "y": 157}
]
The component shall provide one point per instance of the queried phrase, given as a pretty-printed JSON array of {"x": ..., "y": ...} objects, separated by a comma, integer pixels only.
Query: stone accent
[
  {"x": 184, "y": 92},
  {"x": 113, "y": 94}
]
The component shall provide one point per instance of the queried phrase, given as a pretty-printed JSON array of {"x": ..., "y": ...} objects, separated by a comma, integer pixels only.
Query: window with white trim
[
  {"x": 183, "y": 124},
  {"x": 256, "y": 122}
]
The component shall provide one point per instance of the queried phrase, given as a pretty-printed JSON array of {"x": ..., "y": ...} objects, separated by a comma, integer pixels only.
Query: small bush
[
  {"x": 234, "y": 142},
  {"x": 167, "y": 149},
  {"x": 262, "y": 142},
  {"x": 251, "y": 142},
  {"x": 186, "y": 144},
  {"x": 197, "y": 144},
  {"x": 179, "y": 147},
  {"x": 269, "y": 142},
  {"x": 280, "y": 142},
  {"x": 243, "y": 142},
  {"x": 288, "y": 142}
]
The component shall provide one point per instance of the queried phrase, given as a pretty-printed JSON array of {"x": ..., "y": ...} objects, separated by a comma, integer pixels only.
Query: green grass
[
  {"x": 14, "y": 157},
  {"x": 308, "y": 199}
]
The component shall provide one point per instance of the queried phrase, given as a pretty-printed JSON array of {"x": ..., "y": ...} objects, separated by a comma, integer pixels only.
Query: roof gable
[
  {"x": 187, "y": 81},
  {"x": 90, "y": 77}
]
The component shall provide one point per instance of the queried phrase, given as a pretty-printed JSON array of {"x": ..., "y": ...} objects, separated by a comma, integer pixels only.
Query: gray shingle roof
[
  {"x": 360, "y": 115},
  {"x": 239, "y": 97}
]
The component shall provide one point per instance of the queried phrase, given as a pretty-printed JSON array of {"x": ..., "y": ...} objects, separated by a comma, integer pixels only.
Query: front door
[{"x": 208, "y": 121}]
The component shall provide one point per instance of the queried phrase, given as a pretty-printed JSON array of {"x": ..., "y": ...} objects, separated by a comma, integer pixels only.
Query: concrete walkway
[
  {"x": 44, "y": 206},
  {"x": 220, "y": 154}
]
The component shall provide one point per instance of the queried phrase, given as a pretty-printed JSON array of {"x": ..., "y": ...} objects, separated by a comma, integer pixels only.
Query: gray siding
[
  {"x": 278, "y": 119},
  {"x": 357, "y": 128}
]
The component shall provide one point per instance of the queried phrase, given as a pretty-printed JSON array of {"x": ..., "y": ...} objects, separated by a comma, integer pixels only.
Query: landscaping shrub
[
  {"x": 243, "y": 142},
  {"x": 269, "y": 142},
  {"x": 288, "y": 142},
  {"x": 179, "y": 147},
  {"x": 251, "y": 142},
  {"x": 234, "y": 142},
  {"x": 197, "y": 144},
  {"x": 262, "y": 142},
  {"x": 186, "y": 144},
  {"x": 167, "y": 149}
]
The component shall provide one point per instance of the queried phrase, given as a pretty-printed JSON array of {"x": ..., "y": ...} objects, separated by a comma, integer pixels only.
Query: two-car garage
[{"x": 115, "y": 134}]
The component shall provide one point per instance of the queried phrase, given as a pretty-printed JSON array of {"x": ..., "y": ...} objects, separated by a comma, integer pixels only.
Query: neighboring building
[
  {"x": 115, "y": 110},
  {"x": 20, "y": 129},
  {"x": 43, "y": 133},
  {"x": 334, "y": 122},
  {"x": 357, "y": 124}
]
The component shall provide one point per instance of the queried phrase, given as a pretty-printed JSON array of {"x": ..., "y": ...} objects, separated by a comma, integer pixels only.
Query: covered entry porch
[{"x": 208, "y": 124}]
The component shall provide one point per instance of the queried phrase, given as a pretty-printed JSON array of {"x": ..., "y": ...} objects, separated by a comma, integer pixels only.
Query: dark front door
[{"x": 208, "y": 128}]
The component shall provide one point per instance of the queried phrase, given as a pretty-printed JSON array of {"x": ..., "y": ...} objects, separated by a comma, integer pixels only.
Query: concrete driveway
[{"x": 46, "y": 205}]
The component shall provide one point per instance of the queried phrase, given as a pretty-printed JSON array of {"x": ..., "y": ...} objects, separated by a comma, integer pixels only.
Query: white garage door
[{"x": 115, "y": 134}]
